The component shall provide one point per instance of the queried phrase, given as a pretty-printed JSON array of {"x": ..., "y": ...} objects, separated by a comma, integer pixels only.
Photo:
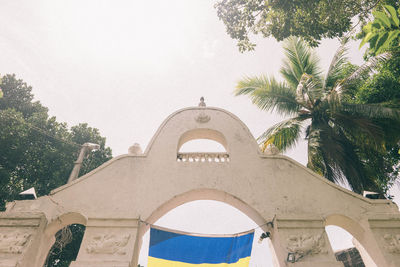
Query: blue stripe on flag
[{"x": 199, "y": 249}]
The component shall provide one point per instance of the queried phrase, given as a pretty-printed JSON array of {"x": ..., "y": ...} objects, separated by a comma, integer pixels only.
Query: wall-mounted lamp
[
  {"x": 86, "y": 147},
  {"x": 291, "y": 257},
  {"x": 263, "y": 236}
]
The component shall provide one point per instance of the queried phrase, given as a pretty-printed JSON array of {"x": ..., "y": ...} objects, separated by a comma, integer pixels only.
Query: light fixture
[
  {"x": 86, "y": 147},
  {"x": 291, "y": 257},
  {"x": 263, "y": 236}
]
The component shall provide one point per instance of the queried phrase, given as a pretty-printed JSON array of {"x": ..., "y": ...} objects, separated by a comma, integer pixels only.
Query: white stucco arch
[
  {"x": 53, "y": 227},
  {"x": 115, "y": 196},
  {"x": 199, "y": 194},
  {"x": 347, "y": 223},
  {"x": 203, "y": 133},
  {"x": 206, "y": 194}
]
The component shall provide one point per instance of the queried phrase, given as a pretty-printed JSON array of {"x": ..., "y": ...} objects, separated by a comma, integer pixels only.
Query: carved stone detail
[
  {"x": 393, "y": 243},
  {"x": 202, "y": 118},
  {"x": 271, "y": 150},
  {"x": 13, "y": 242},
  {"x": 306, "y": 244},
  {"x": 108, "y": 244}
]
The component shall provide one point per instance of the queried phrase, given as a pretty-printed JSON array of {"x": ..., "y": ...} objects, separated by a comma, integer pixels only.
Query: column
[
  {"x": 301, "y": 241},
  {"x": 386, "y": 230},
  {"x": 107, "y": 243},
  {"x": 20, "y": 238}
]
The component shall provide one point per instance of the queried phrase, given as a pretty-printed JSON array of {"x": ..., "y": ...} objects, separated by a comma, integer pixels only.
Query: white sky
[{"x": 124, "y": 66}]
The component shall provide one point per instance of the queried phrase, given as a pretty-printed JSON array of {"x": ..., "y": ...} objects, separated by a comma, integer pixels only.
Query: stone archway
[
  {"x": 359, "y": 231},
  {"x": 49, "y": 236},
  {"x": 144, "y": 186},
  {"x": 199, "y": 194}
]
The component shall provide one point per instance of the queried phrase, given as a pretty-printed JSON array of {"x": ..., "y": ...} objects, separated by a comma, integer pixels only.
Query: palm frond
[
  {"x": 268, "y": 94},
  {"x": 331, "y": 154},
  {"x": 362, "y": 131},
  {"x": 300, "y": 59},
  {"x": 283, "y": 135},
  {"x": 366, "y": 68},
  {"x": 318, "y": 162},
  {"x": 337, "y": 64},
  {"x": 372, "y": 111}
]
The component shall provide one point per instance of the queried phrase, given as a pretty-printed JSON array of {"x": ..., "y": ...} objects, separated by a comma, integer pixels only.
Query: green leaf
[
  {"x": 380, "y": 16},
  {"x": 392, "y": 35},
  {"x": 372, "y": 41},
  {"x": 300, "y": 59},
  {"x": 376, "y": 25},
  {"x": 366, "y": 39},
  {"x": 283, "y": 135},
  {"x": 368, "y": 27},
  {"x": 268, "y": 94},
  {"x": 382, "y": 39},
  {"x": 392, "y": 12}
]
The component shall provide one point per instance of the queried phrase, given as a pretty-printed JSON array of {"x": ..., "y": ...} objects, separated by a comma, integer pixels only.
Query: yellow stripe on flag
[{"x": 155, "y": 262}]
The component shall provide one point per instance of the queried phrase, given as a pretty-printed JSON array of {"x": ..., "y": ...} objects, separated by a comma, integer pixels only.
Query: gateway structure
[{"x": 112, "y": 199}]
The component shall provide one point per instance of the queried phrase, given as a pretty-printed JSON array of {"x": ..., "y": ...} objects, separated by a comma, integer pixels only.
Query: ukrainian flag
[{"x": 177, "y": 249}]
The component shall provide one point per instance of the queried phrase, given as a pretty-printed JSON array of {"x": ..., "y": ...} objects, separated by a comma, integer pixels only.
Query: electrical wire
[
  {"x": 42, "y": 131},
  {"x": 252, "y": 229}
]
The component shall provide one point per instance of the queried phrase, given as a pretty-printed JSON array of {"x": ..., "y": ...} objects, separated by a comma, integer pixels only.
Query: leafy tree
[
  {"x": 1, "y": 91},
  {"x": 339, "y": 132},
  {"x": 310, "y": 19},
  {"x": 384, "y": 31},
  {"x": 18, "y": 96},
  {"x": 382, "y": 88},
  {"x": 36, "y": 150}
]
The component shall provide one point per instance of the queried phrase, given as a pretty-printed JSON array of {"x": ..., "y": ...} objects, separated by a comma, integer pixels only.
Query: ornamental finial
[{"x": 202, "y": 103}]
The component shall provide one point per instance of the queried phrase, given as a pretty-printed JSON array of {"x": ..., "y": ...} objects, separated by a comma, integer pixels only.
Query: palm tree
[{"x": 336, "y": 130}]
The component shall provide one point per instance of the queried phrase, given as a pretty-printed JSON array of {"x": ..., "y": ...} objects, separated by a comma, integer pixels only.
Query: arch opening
[
  {"x": 202, "y": 145},
  {"x": 63, "y": 240},
  {"x": 66, "y": 246},
  {"x": 203, "y": 133},
  {"x": 344, "y": 234},
  {"x": 213, "y": 217},
  {"x": 206, "y": 194}
]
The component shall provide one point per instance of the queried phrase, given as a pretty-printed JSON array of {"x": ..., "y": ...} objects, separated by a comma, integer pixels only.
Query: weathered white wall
[{"x": 111, "y": 199}]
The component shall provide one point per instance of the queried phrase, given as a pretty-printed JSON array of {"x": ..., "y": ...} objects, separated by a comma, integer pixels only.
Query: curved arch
[
  {"x": 212, "y": 109},
  {"x": 206, "y": 194},
  {"x": 64, "y": 220},
  {"x": 202, "y": 133},
  {"x": 193, "y": 195},
  {"x": 348, "y": 224},
  {"x": 53, "y": 227},
  {"x": 358, "y": 232}
]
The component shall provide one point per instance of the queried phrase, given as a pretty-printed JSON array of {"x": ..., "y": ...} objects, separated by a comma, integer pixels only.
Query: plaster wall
[{"x": 111, "y": 199}]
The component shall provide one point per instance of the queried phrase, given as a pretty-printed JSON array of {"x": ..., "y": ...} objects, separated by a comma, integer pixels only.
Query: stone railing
[{"x": 203, "y": 157}]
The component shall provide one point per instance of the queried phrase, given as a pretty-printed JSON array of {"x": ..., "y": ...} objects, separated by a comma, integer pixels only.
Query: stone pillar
[
  {"x": 20, "y": 238},
  {"x": 107, "y": 243},
  {"x": 386, "y": 230},
  {"x": 301, "y": 241}
]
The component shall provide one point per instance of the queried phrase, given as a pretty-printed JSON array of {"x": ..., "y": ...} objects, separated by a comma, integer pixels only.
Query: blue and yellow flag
[{"x": 176, "y": 249}]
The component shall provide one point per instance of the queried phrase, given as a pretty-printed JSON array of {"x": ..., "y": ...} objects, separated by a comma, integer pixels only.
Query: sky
[{"x": 124, "y": 66}]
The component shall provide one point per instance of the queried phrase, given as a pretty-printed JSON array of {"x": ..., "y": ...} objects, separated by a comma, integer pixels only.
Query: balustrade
[{"x": 203, "y": 157}]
